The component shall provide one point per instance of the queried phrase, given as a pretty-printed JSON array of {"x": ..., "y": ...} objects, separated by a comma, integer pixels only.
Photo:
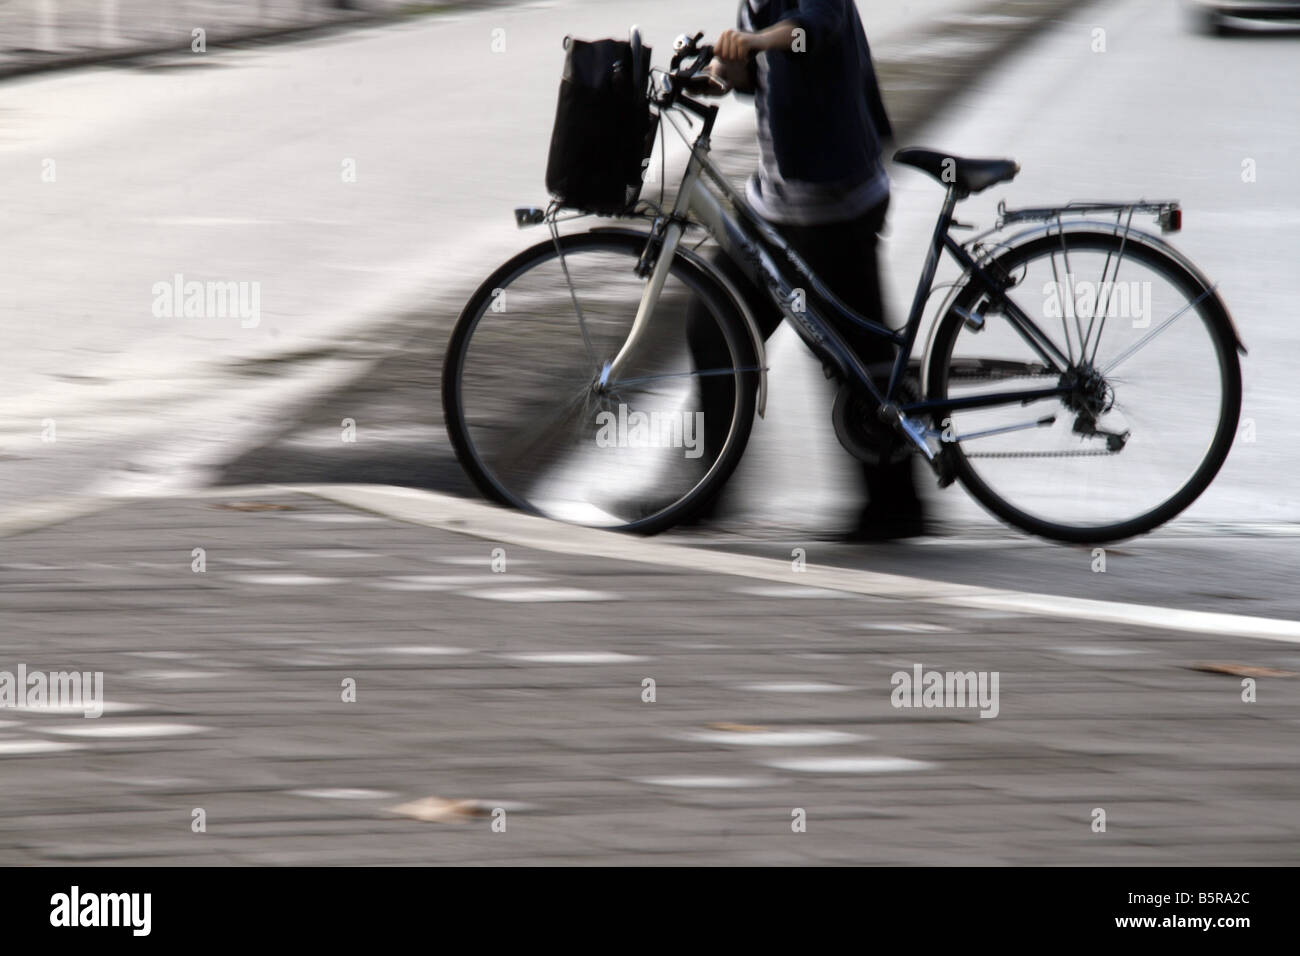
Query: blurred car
[{"x": 1217, "y": 16}]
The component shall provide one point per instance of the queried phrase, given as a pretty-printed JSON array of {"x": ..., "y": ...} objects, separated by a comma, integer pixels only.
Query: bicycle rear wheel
[
  {"x": 1154, "y": 377},
  {"x": 532, "y": 424}
]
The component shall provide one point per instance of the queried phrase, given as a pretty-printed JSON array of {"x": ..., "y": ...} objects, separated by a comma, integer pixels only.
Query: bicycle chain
[{"x": 1038, "y": 454}]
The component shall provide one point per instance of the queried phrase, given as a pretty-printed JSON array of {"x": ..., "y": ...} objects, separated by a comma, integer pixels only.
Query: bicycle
[{"x": 571, "y": 377}]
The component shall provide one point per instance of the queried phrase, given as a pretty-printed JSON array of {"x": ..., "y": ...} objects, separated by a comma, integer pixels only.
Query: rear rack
[{"x": 1167, "y": 212}]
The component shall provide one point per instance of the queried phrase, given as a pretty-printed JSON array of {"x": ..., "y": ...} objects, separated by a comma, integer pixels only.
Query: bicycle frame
[
  {"x": 770, "y": 263},
  {"x": 701, "y": 342}
]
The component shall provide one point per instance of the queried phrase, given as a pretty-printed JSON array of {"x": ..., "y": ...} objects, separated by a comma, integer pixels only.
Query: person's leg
[
  {"x": 845, "y": 257},
  {"x": 843, "y": 254}
]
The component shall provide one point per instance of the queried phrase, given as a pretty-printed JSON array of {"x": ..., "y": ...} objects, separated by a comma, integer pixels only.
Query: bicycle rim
[
  {"x": 536, "y": 430},
  {"x": 1155, "y": 411}
]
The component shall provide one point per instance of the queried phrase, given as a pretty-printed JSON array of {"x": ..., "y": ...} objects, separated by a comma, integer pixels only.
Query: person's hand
[
  {"x": 734, "y": 45},
  {"x": 708, "y": 83}
]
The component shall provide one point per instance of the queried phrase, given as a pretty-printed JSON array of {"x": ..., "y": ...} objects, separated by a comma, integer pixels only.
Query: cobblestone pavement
[{"x": 523, "y": 691}]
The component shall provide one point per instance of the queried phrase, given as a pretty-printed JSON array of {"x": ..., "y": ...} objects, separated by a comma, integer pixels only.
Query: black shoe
[
  {"x": 894, "y": 510},
  {"x": 889, "y": 521}
]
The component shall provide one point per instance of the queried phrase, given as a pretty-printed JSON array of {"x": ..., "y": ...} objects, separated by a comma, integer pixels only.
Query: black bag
[{"x": 604, "y": 130}]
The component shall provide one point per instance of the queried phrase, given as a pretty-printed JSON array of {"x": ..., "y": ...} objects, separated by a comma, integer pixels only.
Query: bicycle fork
[{"x": 672, "y": 237}]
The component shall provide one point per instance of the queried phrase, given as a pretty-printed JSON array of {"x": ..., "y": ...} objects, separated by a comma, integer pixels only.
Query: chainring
[{"x": 860, "y": 430}]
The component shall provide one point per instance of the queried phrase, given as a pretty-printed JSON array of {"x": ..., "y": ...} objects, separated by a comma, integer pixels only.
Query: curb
[
  {"x": 493, "y": 523},
  {"x": 488, "y": 522}
]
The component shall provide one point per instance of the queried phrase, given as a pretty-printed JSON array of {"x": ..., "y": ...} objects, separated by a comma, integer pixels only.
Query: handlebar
[
  {"x": 677, "y": 81},
  {"x": 685, "y": 46}
]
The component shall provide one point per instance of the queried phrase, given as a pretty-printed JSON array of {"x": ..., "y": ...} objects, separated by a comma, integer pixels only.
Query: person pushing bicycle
[
  {"x": 821, "y": 181},
  {"x": 1071, "y": 410}
]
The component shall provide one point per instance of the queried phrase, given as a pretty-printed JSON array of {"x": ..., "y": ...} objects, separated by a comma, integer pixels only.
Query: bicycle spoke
[
  {"x": 531, "y": 435},
  {"x": 537, "y": 430},
  {"x": 1128, "y": 445},
  {"x": 1146, "y": 339},
  {"x": 573, "y": 294},
  {"x": 1119, "y": 260},
  {"x": 1073, "y": 300},
  {"x": 1097, "y": 307},
  {"x": 1060, "y": 304}
]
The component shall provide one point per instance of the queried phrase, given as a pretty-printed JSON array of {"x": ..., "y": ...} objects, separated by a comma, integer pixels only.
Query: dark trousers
[{"x": 844, "y": 256}]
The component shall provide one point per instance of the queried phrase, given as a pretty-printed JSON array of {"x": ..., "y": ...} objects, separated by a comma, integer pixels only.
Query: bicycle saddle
[{"x": 968, "y": 175}]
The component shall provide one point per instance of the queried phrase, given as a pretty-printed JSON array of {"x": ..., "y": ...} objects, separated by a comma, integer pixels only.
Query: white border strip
[
  {"x": 480, "y": 520},
  {"x": 463, "y": 516}
]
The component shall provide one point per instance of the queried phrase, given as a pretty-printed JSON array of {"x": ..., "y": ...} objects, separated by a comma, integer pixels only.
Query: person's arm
[
  {"x": 737, "y": 46},
  {"x": 815, "y": 21},
  {"x": 733, "y": 54}
]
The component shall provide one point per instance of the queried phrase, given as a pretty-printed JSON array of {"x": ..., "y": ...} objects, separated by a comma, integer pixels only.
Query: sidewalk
[
  {"x": 522, "y": 690},
  {"x": 38, "y": 35}
]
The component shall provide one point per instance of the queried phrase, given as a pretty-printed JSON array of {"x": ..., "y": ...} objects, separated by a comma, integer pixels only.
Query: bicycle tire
[
  {"x": 629, "y": 244},
  {"x": 1213, "y": 314}
]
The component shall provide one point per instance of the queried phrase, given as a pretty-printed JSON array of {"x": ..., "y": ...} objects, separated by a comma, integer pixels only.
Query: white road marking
[
  {"x": 776, "y": 738},
  {"x": 441, "y": 582},
  {"x": 485, "y": 561},
  {"x": 427, "y": 650},
  {"x": 715, "y": 783},
  {"x": 285, "y": 580},
  {"x": 342, "y": 554},
  {"x": 58, "y": 710},
  {"x": 109, "y": 730},
  {"x": 793, "y": 591},
  {"x": 462, "y": 516},
  {"x": 177, "y": 675},
  {"x": 334, "y": 518},
  {"x": 533, "y": 595},
  {"x": 20, "y": 748},
  {"x": 1101, "y": 651},
  {"x": 576, "y": 657},
  {"x": 849, "y": 764},
  {"x": 1142, "y": 615},
  {"x": 918, "y": 627},
  {"x": 797, "y": 687}
]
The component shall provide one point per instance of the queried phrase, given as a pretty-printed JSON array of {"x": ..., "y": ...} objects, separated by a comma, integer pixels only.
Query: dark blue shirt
[{"x": 821, "y": 120}]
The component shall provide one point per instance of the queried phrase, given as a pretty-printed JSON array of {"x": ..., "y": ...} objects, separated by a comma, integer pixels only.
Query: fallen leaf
[
  {"x": 438, "y": 810},
  {"x": 1240, "y": 670}
]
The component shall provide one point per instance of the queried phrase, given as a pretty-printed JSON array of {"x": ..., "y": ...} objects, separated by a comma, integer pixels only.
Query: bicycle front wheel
[
  {"x": 539, "y": 423},
  {"x": 1153, "y": 377}
]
